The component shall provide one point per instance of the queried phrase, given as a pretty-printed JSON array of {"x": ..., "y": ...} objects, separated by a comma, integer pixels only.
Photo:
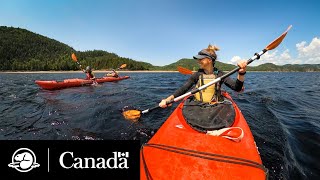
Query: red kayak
[
  {"x": 177, "y": 151},
  {"x": 111, "y": 79},
  {"x": 52, "y": 85}
]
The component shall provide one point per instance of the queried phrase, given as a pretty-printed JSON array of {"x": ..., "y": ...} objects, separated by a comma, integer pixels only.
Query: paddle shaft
[
  {"x": 271, "y": 46},
  {"x": 79, "y": 65},
  {"x": 76, "y": 60},
  {"x": 150, "y": 109},
  {"x": 256, "y": 56}
]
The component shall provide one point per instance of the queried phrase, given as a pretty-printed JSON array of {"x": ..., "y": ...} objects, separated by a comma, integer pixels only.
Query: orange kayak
[
  {"x": 177, "y": 151},
  {"x": 52, "y": 85},
  {"x": 111, "y": 79}
]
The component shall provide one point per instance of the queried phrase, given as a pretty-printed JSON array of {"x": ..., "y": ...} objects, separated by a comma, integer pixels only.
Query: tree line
[{"x": 23, "y": 50}]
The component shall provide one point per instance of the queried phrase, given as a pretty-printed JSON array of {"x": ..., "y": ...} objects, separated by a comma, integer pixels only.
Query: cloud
[
  {"x": 307, "y": 54},
  {"x": 234, "y": 60},
  {"x": 276, "y": 57}
]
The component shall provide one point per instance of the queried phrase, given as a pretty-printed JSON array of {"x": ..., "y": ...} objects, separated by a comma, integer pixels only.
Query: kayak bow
[{"x": 177, "y": 151}]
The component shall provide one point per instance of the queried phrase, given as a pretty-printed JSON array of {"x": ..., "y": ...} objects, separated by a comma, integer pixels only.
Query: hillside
[
  {"x": 286, "y": 68},
  {"x": 21, "y": 49},
  {"x": 193, "y": 65}
]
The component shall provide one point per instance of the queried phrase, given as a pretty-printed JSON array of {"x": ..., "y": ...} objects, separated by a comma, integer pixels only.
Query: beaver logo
[{"x": 23, "y": 160}]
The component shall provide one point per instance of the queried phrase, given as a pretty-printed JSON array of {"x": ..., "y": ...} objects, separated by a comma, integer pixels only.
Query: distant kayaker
[
  {"x": 112, "y": 74},
  {"x": 89, "y": 73},
  {"x": 211, "y": 96}
]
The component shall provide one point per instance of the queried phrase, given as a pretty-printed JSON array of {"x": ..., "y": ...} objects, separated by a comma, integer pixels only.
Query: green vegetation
[
  {"x": 21, "y": 49},
  {"x": 193, "y": 65},
  {"x": 99, "y": 59},
  {"x": 286, "y": 68}
]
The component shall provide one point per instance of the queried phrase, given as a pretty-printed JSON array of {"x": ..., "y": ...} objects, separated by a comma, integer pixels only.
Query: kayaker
[
  {"x": 112, "y": 74},
  {"x": 211, "y": 96},
  {"x": 89, "y": 73}
]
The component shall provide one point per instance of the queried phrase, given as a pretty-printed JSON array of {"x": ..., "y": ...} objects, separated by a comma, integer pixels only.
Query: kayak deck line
[
  {"x": 177, "y": 151},
  {"x": 204, "y": 155}
]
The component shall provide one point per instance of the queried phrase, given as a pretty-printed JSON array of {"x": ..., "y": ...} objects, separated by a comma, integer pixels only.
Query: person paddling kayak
[
  {"x": 89, "y": 73},
  {"x": 112, "y": 74},
  {"x": 196, "y": 111}
]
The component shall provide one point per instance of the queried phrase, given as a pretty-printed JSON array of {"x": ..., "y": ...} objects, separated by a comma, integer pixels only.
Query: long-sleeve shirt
[{"x": 234, "y": 85}]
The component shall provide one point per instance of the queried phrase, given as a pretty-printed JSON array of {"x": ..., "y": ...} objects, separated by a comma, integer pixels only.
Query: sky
[{"x": 161, "y": 32}]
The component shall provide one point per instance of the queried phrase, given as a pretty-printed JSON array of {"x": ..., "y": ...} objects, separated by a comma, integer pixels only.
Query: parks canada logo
[
  {"x": 69, "y": 160},
  {"x": 23, "y": 160}
]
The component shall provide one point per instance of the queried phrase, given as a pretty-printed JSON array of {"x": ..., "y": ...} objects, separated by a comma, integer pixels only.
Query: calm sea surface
[{"x": 282, "y": 110}]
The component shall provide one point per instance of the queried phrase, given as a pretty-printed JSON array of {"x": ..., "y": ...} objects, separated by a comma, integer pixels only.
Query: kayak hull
[
  {"x": 111, "y": 79},
  {"x": 175, "y": 132},
  {"x": 67, "y": 83}
]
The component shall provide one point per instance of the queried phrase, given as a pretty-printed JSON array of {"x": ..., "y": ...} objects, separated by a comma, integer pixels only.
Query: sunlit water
[{"x": 282, "y": 110}]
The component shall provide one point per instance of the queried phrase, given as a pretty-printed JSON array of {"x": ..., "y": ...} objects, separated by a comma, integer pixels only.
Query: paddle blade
[
  {"x": 123, "y": 66},
  {"x": 277, "y": 41},
  {"x": 74, "y": 57},
  {"x": 183, "y": 70},
  {"x": 133, "y": 115}
]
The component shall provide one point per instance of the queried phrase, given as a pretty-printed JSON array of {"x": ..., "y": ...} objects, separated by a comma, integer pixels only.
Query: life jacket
[
  {"x": 112, "y": 75},
  {"x": 89, "y": 75},
  {"x": 211, "y": 94}
]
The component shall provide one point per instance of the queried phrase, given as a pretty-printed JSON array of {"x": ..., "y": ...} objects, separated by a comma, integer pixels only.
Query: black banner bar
[{"x": 66, "y": 158}]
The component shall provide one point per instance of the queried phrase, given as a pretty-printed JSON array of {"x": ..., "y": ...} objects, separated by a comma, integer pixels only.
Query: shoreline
[{"x": 100, "y": 71}]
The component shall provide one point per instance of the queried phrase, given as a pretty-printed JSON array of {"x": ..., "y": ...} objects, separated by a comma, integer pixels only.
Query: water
[{"x": 282, "y": 110}]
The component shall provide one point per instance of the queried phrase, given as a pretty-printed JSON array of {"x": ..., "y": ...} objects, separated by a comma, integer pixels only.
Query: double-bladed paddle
[
  {"x": 75, "y": 59},
  {"x": 134, "y": 114}
]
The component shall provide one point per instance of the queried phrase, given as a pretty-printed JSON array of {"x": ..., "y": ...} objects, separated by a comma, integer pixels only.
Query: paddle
[
  {"x": 183, "y": 70},
  {"x": 186, "y": 71},
  {"x": 114, "y": 73},
  {"x": 136, "y": 114},
  {"x": 75, "y": 59},
  {"x": 122, "y": 66}
]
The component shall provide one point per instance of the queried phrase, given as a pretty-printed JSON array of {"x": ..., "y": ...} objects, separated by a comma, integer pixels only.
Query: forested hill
[
  {"x": 193, "y": 65},
  {"x": 21, "y": 49},
  {"x": 286, "y": 68}
]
